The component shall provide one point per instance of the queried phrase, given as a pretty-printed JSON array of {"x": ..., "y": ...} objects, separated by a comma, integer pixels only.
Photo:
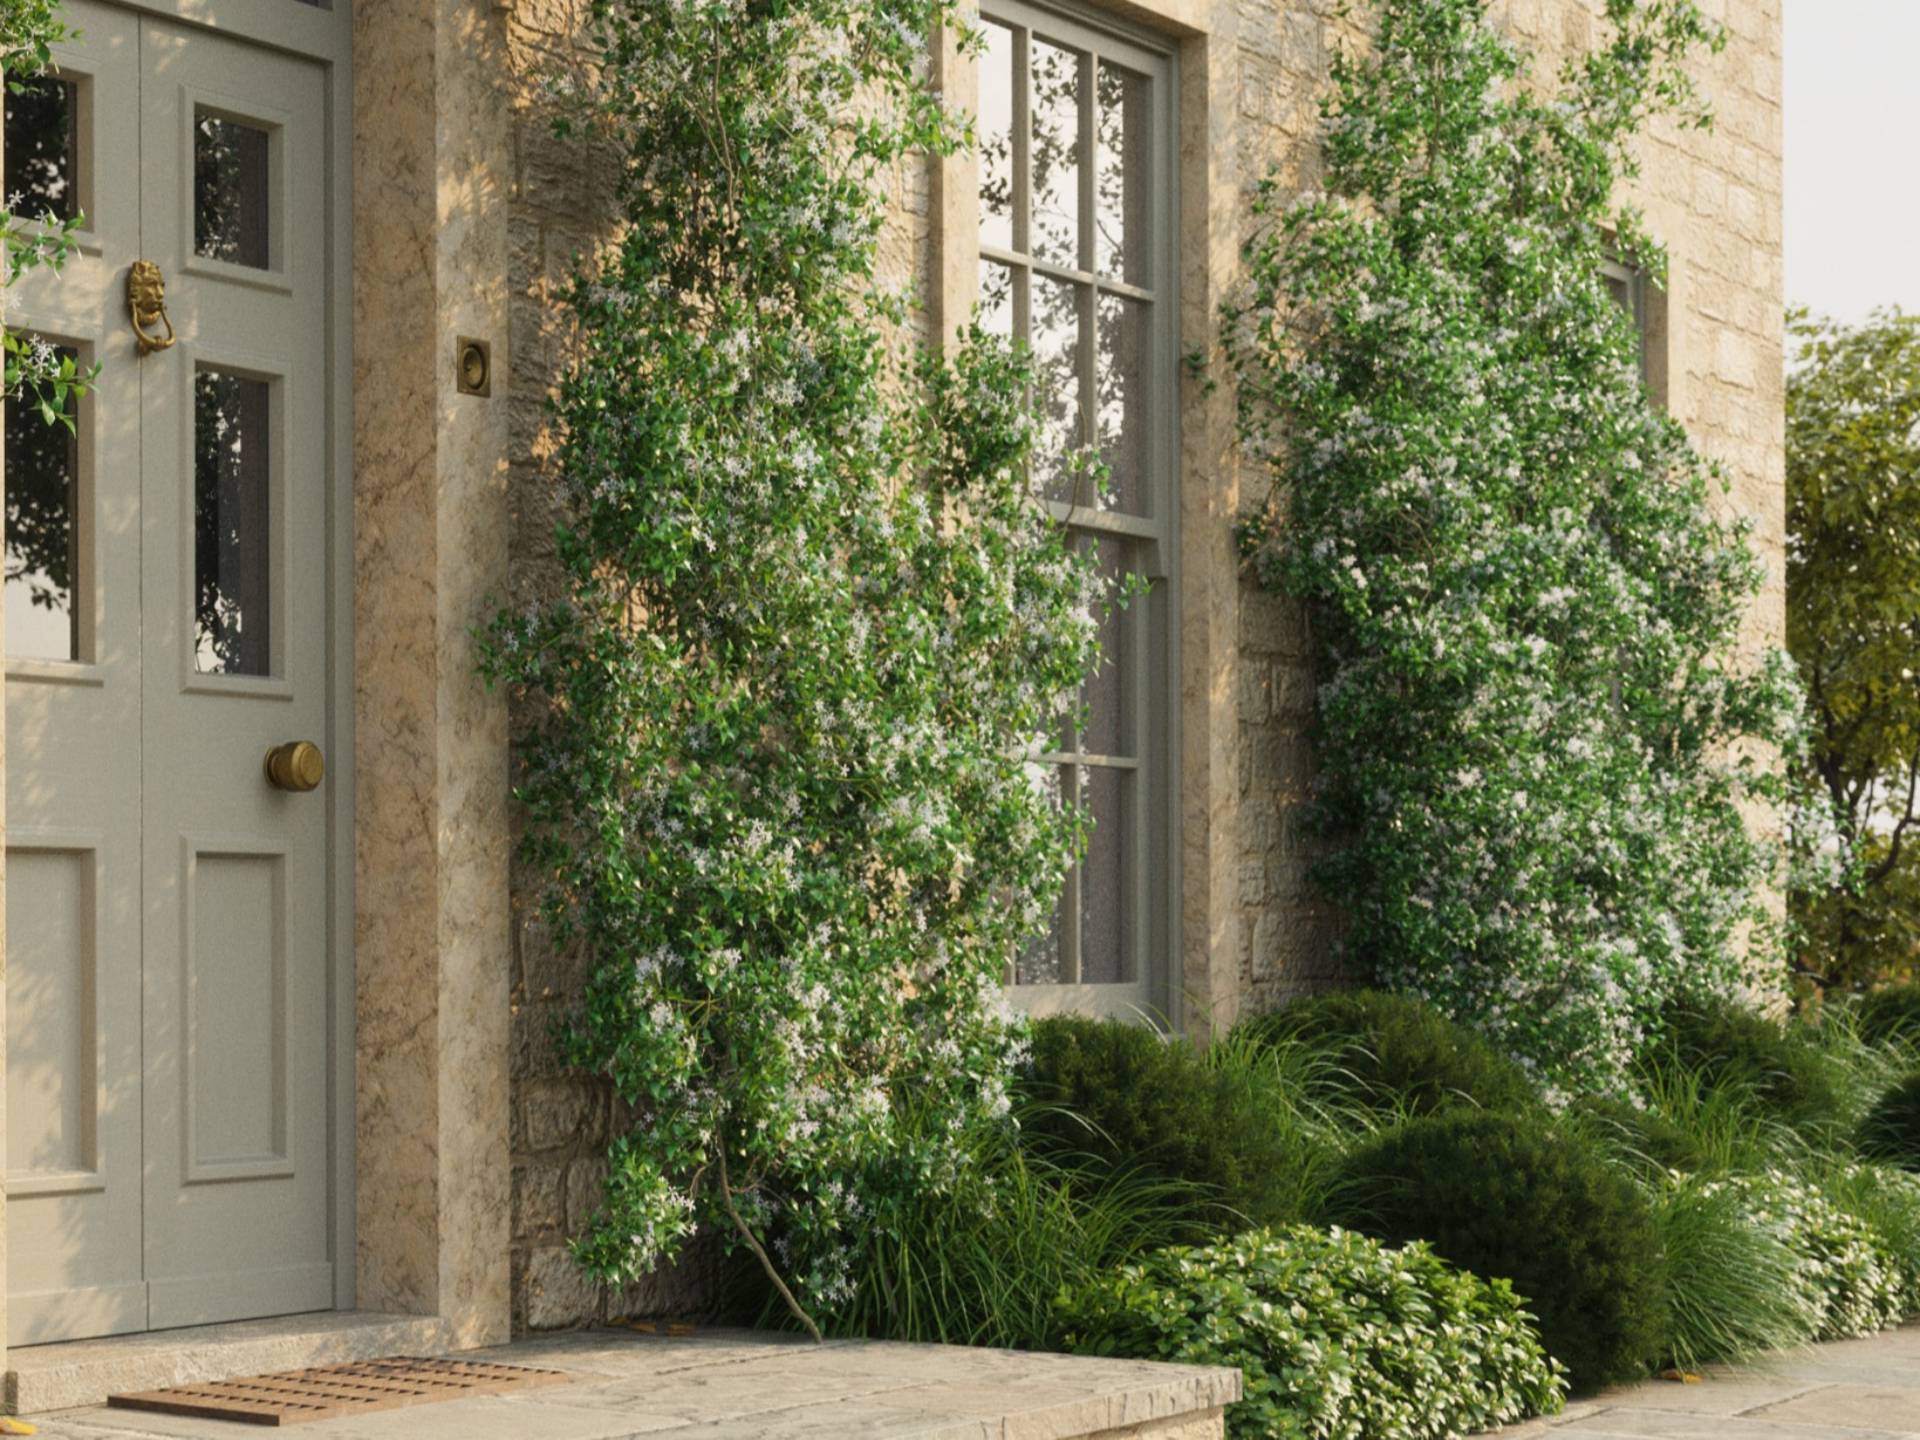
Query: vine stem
[{"x": 766, "y": 1262}]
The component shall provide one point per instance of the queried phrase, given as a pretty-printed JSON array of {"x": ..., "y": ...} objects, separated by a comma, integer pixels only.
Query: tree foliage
[
  {"x": 1853, "y": 622},
  {"x": 1536, "y": 747},
  {"x": 776, "y": 762}
]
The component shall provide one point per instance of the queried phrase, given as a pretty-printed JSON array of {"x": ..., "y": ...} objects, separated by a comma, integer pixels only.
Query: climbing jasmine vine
[
  {"x": 778, "y": 759},
  {"x": 1540, "y": 754}
]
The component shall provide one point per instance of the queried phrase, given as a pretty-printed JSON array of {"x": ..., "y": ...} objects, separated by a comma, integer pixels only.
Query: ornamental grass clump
[
  {"x": 775, "y": 726},
  {"x": 1534, "y": 741},
  {"x": 1732, "y": 1285},
  {"x": 1773, "y": 1067},
  {"x": 1336, "y": 1336}
]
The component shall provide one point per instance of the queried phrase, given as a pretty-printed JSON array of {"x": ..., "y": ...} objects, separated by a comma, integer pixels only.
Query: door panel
[
  {"x": 233, "y": 463},
  {"x": 74, "y": 1261},
  {"x": 168, "y": 1141}
]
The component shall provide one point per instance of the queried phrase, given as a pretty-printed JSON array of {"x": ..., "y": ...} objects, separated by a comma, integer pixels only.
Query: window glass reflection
[
  {"x": 43, "y": 544},
  {"x": 230, "y": 190},
  {"x": 231, "y": 485},
  {"x": 1055, "y": 154},
  {"x": 43, "y": 148},
  {"x": 1122, "y": 174}
]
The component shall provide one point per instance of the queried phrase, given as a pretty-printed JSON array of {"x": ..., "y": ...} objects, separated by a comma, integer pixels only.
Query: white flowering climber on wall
[
  {"x": 1536, "y": 744},
  {"x": 776, "y": 766}
]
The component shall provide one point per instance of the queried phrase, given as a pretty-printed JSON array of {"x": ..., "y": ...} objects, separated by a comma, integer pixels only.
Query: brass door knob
[{"x": 296, "y": 765}]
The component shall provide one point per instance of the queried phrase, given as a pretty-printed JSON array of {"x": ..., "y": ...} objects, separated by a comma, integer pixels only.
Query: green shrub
[
  {"x": 1731, "y": 1284},
  {"x": 1891, "y": 1131},
  {"x": 1890, "y": 1015},
  {"x": 1130, "y": 1096},
  {"x": 1731, "y": 1047},
  {"x": 1398, "y": 1053},
  {"x": 1334, "y": 1335},
  {"x": 1518, "y": 1198},
  {"x": 1847, "y": 1280}
]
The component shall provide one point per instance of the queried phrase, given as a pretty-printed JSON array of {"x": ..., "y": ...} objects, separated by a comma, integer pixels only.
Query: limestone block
[{"x": 558, "y": 1292}]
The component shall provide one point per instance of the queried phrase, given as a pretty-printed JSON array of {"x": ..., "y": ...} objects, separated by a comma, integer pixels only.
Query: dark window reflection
[
  {"x": 230, "y": 191},
  {"x": 1103, "y": 878},
  {"x": 230, "y": 524},
  {"x": 42, "y": 141},
  {"x": 43, "y": 550}
]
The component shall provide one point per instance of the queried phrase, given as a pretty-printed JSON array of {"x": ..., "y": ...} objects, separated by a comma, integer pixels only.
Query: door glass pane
[
  {"x": 1055, "y": 154},
  {"x": 43, "y": 148},
  {"x": 1103, "y": 890},
  {"x": 1122, "y": 174},
  {"x": 43, "y": 549},
  {"x": 231, "y": 485},
  {"x": 1055, "y": 339},
  {"x": 229, "y": 190},
  {"x": 996, "y": 138},
  {"x": 1120, "y": 400}
]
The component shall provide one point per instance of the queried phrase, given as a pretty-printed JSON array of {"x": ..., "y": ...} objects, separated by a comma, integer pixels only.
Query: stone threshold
[
  {"x": 72, "y": 1373},
  {"x": 744, "y": 1385}
]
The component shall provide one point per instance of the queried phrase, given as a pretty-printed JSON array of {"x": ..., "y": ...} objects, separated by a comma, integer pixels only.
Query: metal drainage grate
[{"x": 358, "y": 1388}]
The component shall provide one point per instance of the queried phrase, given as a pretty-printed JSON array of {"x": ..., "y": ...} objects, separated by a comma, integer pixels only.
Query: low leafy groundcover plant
[
  {"x": 1399, "y": 1053},
  {"x": 1130, "y": 1096},
  {"x": 1846, "y": 1281},
  {"x": 1520, "y": 1198},
  {"x": 1892, "y": 1129},
  {"x": 1887, "y": 1201},
  {"x": 1336, "y": 1336}
]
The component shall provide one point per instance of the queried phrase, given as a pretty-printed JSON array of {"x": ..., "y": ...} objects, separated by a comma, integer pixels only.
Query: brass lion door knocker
[{"x": 147, "y": 303}]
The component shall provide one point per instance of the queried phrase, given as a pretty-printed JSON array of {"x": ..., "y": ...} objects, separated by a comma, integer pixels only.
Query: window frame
[{"x": 1151, "y": 882}]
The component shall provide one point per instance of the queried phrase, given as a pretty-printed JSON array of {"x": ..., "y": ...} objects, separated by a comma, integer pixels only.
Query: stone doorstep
[
  {"x": 73, "y": 1373},
  {"x": 745, "y": 1385}
]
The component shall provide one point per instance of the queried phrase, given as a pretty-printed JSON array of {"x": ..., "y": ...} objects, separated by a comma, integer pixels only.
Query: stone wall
[{"x": 1253, "y": 931}]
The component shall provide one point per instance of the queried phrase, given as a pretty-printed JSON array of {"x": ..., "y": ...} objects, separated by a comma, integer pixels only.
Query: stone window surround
[{"x": 1207, "y": 492}]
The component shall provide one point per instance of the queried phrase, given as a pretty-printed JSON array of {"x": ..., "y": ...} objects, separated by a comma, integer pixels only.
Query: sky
[{"x": 1852, "y": 102}]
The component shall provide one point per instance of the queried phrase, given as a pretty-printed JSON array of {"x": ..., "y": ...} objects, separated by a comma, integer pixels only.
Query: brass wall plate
[{"x": 472, "y": 366}]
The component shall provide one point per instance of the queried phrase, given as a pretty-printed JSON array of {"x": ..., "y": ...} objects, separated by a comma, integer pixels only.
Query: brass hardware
[
  {"x": 297, "y": 765},
  {"x": 473, "y": 366},
  {"x": 147, "y": 303}
]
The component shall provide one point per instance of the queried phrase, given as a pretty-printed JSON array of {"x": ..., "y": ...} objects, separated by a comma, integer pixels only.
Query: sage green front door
[{"x": 168, "y": 1139}]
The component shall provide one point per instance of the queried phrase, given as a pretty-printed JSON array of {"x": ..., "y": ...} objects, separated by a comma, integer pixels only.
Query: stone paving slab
[
  {"x": 1852, "y": 1390},
  {"x": 734, "y": 1385}
]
